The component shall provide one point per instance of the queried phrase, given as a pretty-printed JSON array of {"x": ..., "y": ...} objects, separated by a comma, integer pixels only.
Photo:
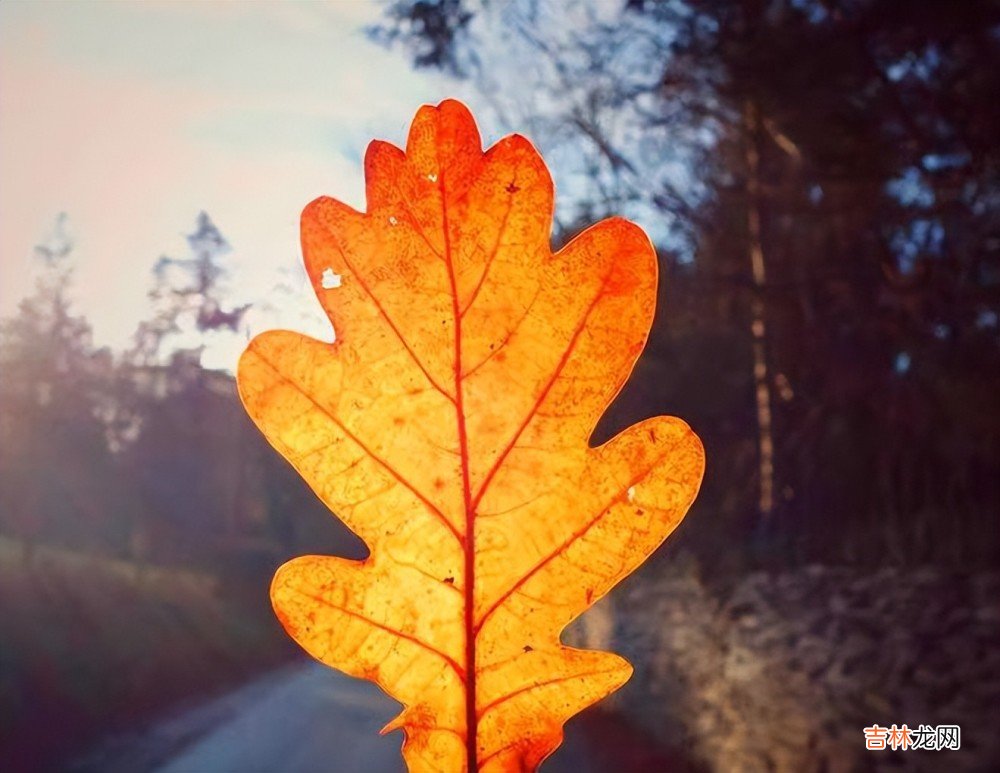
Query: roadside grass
[{"x": 91, "y": 644}]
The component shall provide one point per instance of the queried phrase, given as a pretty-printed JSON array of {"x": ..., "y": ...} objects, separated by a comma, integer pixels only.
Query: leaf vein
[
  {"x": 601, "y": 513},
  {"x": 434, "y": 510},
  {"x": 385, "y": 315},
  {"x": 581, "y": 325},
  {"x": 535, "y": 685},
  {"x": 459, "y": 671},
  {"x": 489, "y": 260}
]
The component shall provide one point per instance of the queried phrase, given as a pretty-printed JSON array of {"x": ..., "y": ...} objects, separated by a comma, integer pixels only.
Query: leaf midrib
[{"x": 469, "y": 538}]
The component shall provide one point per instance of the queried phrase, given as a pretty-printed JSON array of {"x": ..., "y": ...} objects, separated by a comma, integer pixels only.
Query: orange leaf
[{"x": 448, "y": 427}]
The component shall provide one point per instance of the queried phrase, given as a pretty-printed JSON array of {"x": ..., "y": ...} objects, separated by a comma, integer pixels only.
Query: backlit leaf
[{"x": 448, "y": 426}]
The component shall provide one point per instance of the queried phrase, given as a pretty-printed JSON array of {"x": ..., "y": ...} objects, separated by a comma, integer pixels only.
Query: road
[{"x": 307, "y": 718}]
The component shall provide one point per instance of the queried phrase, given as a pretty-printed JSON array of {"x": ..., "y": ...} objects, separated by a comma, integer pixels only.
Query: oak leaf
[{"x": 448, "y": 426}]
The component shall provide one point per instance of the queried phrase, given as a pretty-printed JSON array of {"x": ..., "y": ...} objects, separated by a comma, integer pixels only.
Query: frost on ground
[{"x": 782, "y": 672}]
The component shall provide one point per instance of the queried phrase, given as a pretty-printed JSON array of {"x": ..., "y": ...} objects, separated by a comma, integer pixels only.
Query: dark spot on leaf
[
  {"x": 438, "y": 484},
  {"x": 399, "y": 421},
  {"x": 449, "y": 580},
  {"x": 640, "y": 512},
  {"x": 528, "y": 648},
  {"x": 512, "y": 188}
]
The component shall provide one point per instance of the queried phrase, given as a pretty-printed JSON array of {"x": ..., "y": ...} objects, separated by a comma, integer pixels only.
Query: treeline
[
  {"x": 822, "y": 178},
  {"x": 143, "y": 455}
]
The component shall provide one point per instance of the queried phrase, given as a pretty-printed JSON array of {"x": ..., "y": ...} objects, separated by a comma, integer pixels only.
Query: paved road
[{"x": 304, "y": 718}]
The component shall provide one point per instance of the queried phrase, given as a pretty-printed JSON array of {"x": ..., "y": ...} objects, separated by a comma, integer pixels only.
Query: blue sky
[{"x": 133, "y": 117}]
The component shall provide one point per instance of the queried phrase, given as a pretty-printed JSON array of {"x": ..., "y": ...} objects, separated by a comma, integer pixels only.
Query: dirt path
[{"x": 307, "y": 718}]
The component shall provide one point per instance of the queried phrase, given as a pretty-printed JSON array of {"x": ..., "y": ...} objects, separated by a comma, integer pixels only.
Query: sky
[{"x": 133, "y": 117}]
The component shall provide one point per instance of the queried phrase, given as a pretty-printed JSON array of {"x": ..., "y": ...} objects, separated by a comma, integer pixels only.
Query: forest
[
  {"x": 142, "y": 455},
  {"x": 826, "y": 177}
]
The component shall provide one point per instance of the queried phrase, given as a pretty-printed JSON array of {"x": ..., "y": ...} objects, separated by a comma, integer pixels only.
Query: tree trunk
[{"x": 758, "y": 326}]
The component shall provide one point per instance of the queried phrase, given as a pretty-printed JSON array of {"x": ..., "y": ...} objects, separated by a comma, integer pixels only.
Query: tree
[
  {"x": 829, "y": 173},
  {"x": 55, "y": 458},
  {"x": 188, "y": 296}
]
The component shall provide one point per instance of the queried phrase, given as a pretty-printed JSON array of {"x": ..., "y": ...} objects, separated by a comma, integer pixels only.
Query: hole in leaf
[{"x": 330, "y": 280}]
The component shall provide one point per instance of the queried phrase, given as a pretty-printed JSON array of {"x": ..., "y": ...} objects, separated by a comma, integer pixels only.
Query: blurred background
[{"x": 822, "y": 182}]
